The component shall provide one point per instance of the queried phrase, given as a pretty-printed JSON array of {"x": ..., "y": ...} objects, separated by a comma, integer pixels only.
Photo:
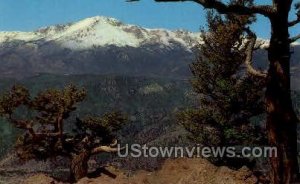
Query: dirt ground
[{"x": 178, "y": 171}]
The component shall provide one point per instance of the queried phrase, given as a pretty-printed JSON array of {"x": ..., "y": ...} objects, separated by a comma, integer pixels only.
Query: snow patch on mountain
[
  {"x": 296, "y": 43},
  {"x": 96, "y": 31},
  {"x": 23, "y": 36},
  {"x": 103, "y": 31}
]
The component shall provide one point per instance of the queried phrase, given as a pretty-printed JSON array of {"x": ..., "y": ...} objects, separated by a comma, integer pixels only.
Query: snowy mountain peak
[
  {"x": 83, "y": 24},
  {"x": 103, "y": 31},
  {"x": 101, "y": 45}
]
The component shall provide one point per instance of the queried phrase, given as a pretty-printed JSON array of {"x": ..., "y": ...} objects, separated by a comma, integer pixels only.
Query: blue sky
[{"x": 28, "y": 15}]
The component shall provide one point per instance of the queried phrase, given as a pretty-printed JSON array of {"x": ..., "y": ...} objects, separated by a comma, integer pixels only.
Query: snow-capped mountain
[
  {"x": 97, "y": 45},
  {"x": 101, "y": 45},
  {"x": 103, "y": 31}
]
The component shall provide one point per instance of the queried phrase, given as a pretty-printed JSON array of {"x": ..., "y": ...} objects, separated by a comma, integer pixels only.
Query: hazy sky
[{"x": 28, "y": 15}]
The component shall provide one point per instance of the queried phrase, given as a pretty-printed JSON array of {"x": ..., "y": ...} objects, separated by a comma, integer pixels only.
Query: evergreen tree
[
  {"x": 228, "y": 96},
  {"x": 45, "y": 135},
  {"x": 281, "y": 121}
]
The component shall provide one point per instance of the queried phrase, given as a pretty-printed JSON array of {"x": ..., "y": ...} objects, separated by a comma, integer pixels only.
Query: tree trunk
[
  {"x": 79, "y": 166},
  {"x": 281, "y": 118}
]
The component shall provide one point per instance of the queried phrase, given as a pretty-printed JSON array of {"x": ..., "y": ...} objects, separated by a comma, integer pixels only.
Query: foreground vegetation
[{"x": 44, "y": 131}]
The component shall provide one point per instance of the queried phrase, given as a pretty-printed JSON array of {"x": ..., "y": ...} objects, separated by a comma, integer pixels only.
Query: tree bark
[
  {"x": 79, "y": 166},
  {"x": 281, "y": 117}
]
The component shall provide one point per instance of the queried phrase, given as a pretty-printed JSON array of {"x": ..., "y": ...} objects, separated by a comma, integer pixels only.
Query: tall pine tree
[{"x": 229, "y": 98}]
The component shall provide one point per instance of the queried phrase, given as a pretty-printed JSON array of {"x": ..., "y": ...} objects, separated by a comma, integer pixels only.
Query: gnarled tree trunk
[
  {"x": 281, "y": 118},
  {"x": 79, "y": 166}
]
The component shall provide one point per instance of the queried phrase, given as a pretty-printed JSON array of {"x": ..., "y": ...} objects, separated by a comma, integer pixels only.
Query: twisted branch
[
  {"x": 223, "y": 8},
  {"x": 249, "y": 55},
  {"x": 108, "y": 149},
  {"x": 295, "y": 38},
  {"x": 295, "y": 22}
]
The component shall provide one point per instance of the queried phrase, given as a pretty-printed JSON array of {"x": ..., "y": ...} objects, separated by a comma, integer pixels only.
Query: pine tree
[
  {"x": 281, "y": 122},
  {"x": 44, "y": 132},
  {"x": 228, "y": 96}
]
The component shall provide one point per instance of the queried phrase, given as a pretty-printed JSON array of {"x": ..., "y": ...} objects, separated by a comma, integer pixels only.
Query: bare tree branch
[
  {"x": 223, "y": 8},
  {"x": 295, "y": 38},
  {"x": 108, "y": 149},
  {"x": 295, "y": 22},
  {"x": 249, "y": 54}
]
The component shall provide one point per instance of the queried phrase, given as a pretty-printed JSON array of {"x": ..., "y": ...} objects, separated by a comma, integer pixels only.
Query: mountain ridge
[
  {"x": 107, "y": 26},
  {"x": 102, "y": 31},
  {"x": 102, "y": 45}
]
